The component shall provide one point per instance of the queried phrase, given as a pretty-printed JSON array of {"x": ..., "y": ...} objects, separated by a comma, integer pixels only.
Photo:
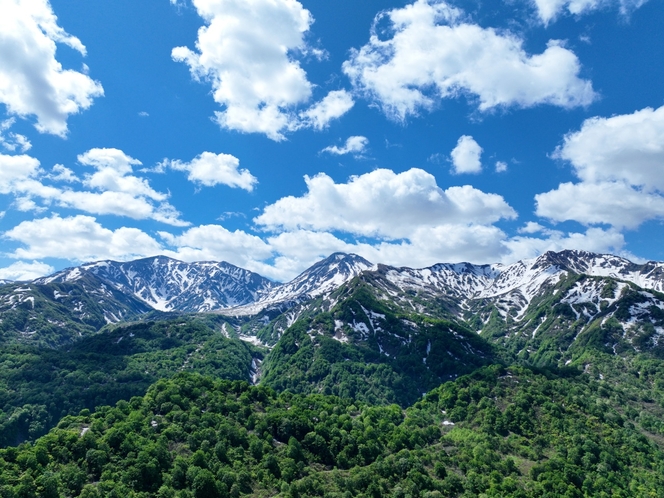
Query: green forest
[{"x": 500, "y": 431}]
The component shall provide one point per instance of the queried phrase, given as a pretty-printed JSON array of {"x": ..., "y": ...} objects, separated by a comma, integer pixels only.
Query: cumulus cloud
[
  {"x": 355, "y": 145},
  {"x": 113, "y": 174},
  {"x": 22, "y": 270},
  {"x": 333, "y": 106},
  {"x": 13, "y": 142},
  {"x": 548, "y": 10},
  {"x": 211, "y": 169},
  {"x": 282, "y": 256},
  {"x": 620, "y": 164},
  {"x": 113, "y": 189},
  {"x": 612, "y": 203},
  {"x": 501, "y": 166},
  {"x": 60, "y": 173},
  {"x": 383, "y": 204},
  {"x": 216, "y": 243},
  {"x": 628, "y": 147},
  {"x": 297, "y": 250},
  {"x": 86, "y": 240},
  {"x": 32, "y": 81},
  {"x": 466, "y": 156},
  {"x": 245, "y": 52},
  {"x": 593, "y": 239},
  {"x": 434, "y": 54},
  {"x": 16, "y": 169}
]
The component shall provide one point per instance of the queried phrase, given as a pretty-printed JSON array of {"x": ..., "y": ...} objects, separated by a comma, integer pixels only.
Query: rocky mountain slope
[
  {"x": 517, "y": 305},
  {"x": 166, "y": 284},
  {"x": 62, "y": 312}
]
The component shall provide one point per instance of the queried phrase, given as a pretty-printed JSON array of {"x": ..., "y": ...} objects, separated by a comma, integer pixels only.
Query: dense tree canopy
[{"x": 498, "y": 432}]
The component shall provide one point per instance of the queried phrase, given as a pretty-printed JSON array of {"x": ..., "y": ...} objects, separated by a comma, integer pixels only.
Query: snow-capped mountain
[
  {"x": 322, "y": 278},
  {"x": 457, "y": 290},
  {"x": 515, "y": 285},
  {"x": 170, "y": 285},
  {"x": 62, "y": 312}
]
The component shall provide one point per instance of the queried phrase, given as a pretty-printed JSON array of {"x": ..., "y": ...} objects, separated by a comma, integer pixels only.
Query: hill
[{"x": 498, "y": 432}]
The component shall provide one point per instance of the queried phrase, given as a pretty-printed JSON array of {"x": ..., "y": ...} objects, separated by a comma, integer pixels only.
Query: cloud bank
[{"x": 549, "y": 10}]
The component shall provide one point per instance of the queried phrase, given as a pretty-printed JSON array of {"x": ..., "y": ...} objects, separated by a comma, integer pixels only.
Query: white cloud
[
  {"x": 114, "y": 190},
  {"x": 627, "y": 147},
  {"x": 60, "y": 173},
  {"x": 211, "y": 169},
  {"x": 32, "y": 81},
  {"x": 466, "y": 156},
  {"x": 333, "y": 106},
  {"x": 299, "y": 249},
  {"x": 13, "y": 141},
  {"x": 354, "y": 145},
  {"x": 79, "y": 238},
  {"x": 620, "y": 162},
  {"x": 548, "y": 10},
  {"x": 383, "y": 204},
  {"x": 611, "y": 203},
  {"x": 109, "y": 158},
  {"x": 14, "y": 169},
  {"x": 593, "y": 240},
  {"x": 245, "y": 52},
  {"x": 25, "y": 271},
  {"x": 433, "y": 54},
  {"x": 119, "y": 204},
  {"x": 216, "y": 243},
  {"x": 501, "y": 166},
  {"x": 26, "y": 204},
  {"x": 282, "y": 256},
  {"x": 531, "y": 227},
  {"x": 113, "y": 174}
]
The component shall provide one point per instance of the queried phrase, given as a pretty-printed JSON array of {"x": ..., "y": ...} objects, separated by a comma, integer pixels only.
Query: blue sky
[{"x": 271, "y": 133}]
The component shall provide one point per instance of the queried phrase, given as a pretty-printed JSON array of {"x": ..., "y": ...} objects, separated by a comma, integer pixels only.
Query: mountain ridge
[
  {"x": 172, "y": 286},
  {"x": 161, "y": 284}
]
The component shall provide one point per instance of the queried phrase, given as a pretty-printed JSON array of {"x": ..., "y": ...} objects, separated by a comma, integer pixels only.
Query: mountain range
[
  {"x": 568, "y": 341},
  {"x": 81, "y": 300}
]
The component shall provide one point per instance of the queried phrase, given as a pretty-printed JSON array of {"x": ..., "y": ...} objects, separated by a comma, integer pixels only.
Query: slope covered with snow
[
  {"x": 518, "y": 283},
  {"x": 170, "y": 285},
  {"x": 322, "y": 278}
]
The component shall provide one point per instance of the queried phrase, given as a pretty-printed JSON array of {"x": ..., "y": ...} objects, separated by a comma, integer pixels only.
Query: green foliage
[
  {"x": 330, "y": 417},
  {"x": 398, "y": 357},
  {"x": 514, "y": 433},
  {"x": 38, "y": 386}
]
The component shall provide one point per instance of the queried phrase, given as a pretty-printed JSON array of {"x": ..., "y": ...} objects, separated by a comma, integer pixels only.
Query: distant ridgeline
[{"x": 540, "y": 378}]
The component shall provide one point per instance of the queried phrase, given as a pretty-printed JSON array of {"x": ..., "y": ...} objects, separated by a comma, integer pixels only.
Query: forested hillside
[
  {"x": 38, "y": 386},
  {"x": 497, "y": 432},
  {"x": 364, "y": 348}
]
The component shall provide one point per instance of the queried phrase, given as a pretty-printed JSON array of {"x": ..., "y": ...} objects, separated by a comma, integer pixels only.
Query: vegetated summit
[{"x": 514, "y": 356}]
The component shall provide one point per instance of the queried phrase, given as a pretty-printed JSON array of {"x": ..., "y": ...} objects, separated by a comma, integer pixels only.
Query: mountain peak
[{"x": 342, "y": 258}]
